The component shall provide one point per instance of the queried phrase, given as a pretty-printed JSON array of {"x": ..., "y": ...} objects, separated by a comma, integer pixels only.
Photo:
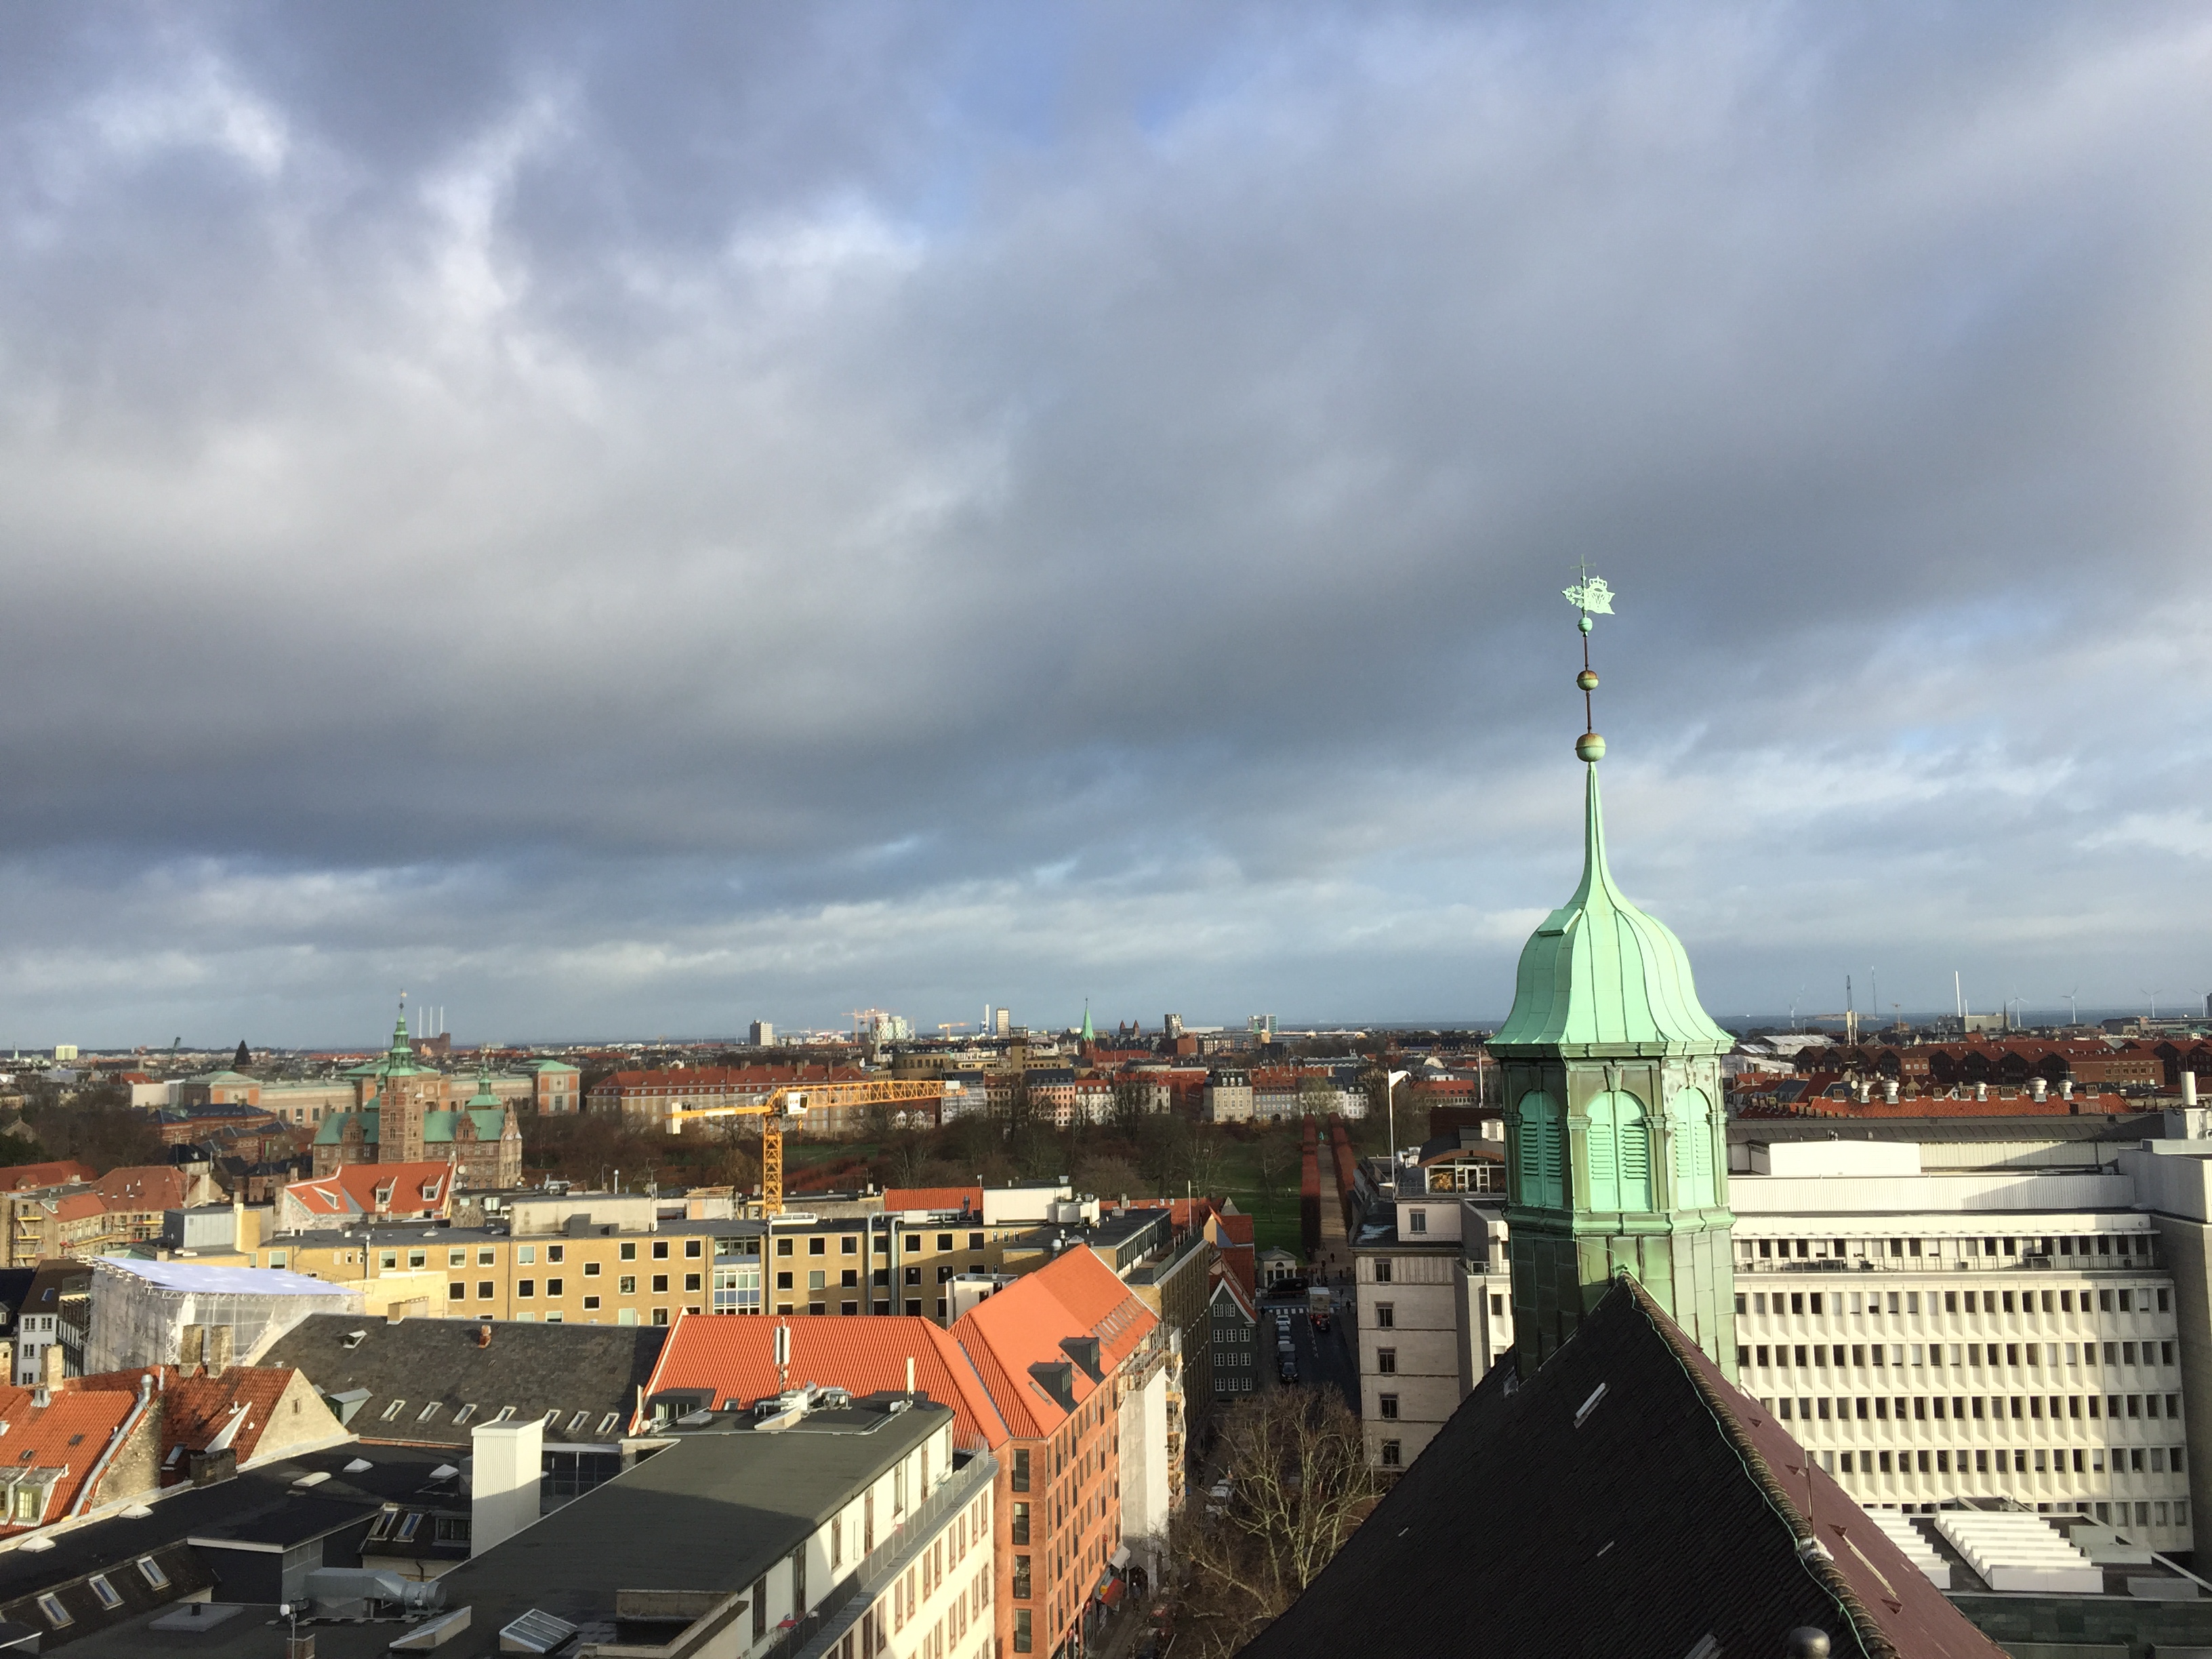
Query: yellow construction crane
[{"x": 791, "y": 1105}]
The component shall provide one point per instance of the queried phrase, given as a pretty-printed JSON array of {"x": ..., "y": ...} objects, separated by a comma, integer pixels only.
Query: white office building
[{"x": 2013, "y": 1309}]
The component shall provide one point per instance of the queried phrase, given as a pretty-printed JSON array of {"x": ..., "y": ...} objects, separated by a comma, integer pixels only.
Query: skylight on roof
[{"x": 535, "y": 1631}]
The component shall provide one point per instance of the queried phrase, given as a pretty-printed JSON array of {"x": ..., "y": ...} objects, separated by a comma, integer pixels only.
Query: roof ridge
[{"x": 1872, "y": 1638}]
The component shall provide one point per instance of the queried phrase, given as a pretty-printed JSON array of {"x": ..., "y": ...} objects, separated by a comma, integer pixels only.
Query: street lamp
[{"x": 1390, "y": 1082}]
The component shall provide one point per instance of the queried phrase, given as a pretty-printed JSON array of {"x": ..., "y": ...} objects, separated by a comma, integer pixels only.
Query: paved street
[{"x": 1323, "y": 1359}]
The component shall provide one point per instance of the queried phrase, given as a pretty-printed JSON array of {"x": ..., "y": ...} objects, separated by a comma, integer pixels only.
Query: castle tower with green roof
[{"x": 1616, "y": 1138}]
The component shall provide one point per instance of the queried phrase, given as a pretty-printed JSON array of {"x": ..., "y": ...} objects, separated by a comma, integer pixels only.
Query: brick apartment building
[{"x": 1037, "y": 1375}]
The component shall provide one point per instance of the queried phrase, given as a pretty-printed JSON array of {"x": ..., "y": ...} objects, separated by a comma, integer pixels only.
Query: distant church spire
[{"x": 1611, "y": 1076}]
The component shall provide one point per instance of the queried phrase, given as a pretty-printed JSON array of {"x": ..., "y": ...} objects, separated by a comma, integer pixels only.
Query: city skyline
[{"x": 639, "y": 527}]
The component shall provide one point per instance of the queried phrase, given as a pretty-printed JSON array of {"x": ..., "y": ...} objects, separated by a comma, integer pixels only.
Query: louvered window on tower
[
  {"x": 1693, "y": 1150},
  {"x": 1542, "y": 1161},
  {"x": 1619, "y": 1146}
]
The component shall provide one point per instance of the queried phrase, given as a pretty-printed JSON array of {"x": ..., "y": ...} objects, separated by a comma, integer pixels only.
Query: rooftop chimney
[
  {"x": 2189, "y": 1089},
  {"x": 504, "y": 1473}
]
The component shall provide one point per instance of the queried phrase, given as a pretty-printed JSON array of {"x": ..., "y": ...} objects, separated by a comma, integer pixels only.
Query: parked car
[{"x": 1288, "y": 1371}]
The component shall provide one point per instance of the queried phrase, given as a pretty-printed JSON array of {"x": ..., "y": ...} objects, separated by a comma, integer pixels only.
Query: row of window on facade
[
  {"x": 2135, "y": 1248},
  {"x": 1976, "y": 1356},
  {"x": 1960, "y": 1408},
  {"x": 2125, "y": 1298}
]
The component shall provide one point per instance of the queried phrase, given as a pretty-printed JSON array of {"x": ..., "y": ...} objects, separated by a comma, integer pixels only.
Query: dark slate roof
[
  {"x": 181, "y": 1571},
  {"x": 14, "y": 1286},
  {"x": 595, "y": 1369},
  {"x": 262, "y": 1496},
  {"x": 1677, "y": 1511}
]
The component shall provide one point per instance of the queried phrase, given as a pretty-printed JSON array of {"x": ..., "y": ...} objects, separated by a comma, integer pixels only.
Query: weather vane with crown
[{"x": 1591, "y": 597}]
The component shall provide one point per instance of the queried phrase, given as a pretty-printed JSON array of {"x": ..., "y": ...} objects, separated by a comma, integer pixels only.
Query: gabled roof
[
  {"x": 1074, "y": 1297},
  {"x": 1625, "y": 1499},
  {"x": 734, "y": 1360},
  {"x": 965, "y": 1199},
  {"x": 28, "y": 1178},
  {"x": 1226, "y": 1285},
  {"x": 67, "y": 1434},
  {"x": 196, "y": 1409},
  {"x": 404, "y": 1189},
  {"x": 581, "y": 1374}
]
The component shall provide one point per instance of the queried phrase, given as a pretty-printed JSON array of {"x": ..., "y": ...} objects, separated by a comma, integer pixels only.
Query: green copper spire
[
  {"x": 1600, "y": 975},
  {"x": 1089, "y": 1035},
  {"x": 484, "y": 1096},
  {"x": 1616, "y": 1141}
]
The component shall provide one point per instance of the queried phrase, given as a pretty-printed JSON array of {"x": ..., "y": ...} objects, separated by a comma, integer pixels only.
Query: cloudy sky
[{"x": 624, "y": 522}]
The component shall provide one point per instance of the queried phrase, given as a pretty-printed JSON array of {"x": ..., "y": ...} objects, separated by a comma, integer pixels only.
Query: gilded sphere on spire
[
  {"x": 1589, "y": 746},
  {"x": 1587, "y": 680}
]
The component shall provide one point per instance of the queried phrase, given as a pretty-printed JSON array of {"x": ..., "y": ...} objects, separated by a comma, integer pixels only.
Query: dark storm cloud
[{"x": 640, "y": 521}]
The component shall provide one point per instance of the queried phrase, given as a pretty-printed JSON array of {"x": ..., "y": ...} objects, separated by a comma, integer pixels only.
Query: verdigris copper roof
[{"x": 1601, "y": 977}]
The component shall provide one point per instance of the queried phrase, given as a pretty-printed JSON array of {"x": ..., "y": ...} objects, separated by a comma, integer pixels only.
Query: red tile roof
[
  {"x": 195, "y": 1409},
  {"x": 1244, "y": 1299},
  {"x": 69, "y": 1432},
  {"x": 26, "y": 1176},
  {"x": 416, "y": 1188},
  {"x": 734, "y": 1357},
  {"x": 967, "y": 1199},
  {"x": 1077, "y": 1295},
  {"x": 143, "y": 1187}
]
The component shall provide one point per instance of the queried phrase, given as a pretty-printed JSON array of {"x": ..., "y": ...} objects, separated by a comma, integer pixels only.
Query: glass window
[
  {"x": 626, "y": 1285},
  {"x": 456, "y": 1258},
  {"x": 552, "y": 1287},
  {"x": 486, "y": 1290},
  {"x": 526, "y": 1255},
  {"x": 660, "y": 1283},
  {"x": 524, "y": 1289},
  {"x": 488, "y": 1256},
  {"x": 590, "y": 1270},
  {"x": 109, "y": 1596},
  {"x": 591, "y": 1303},
  {"x": 661, "y": 1249},
  {"x": 418, "y": 1259},
  {"x": 555, "y": 1252},
  {"x": 629, "y": 1250}
]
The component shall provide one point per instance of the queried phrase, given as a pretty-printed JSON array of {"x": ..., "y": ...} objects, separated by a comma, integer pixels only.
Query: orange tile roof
[
  {"x": 967, "y": 1199},
  {"x": 1075, "y": 1295},
  {"x": 69, "y": 1432},
  {"x": 734, "y": 1357},
  {"x": 143, "y": 1187},
  {"x": 25, "y": 1177},
  {"x": 352, "y": 1190},
  {"x": 196, "y": 1408}
]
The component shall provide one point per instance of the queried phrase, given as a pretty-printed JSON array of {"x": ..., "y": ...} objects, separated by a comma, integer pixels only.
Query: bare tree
[
  {"x": 1204, "y": 1163},
  {"x": 909, "y": 1153},
  {"x": 1132, "y": 1101},
  {"x": 1276, "y": 1155},
  {"x": 1299, "y": 1484}
]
